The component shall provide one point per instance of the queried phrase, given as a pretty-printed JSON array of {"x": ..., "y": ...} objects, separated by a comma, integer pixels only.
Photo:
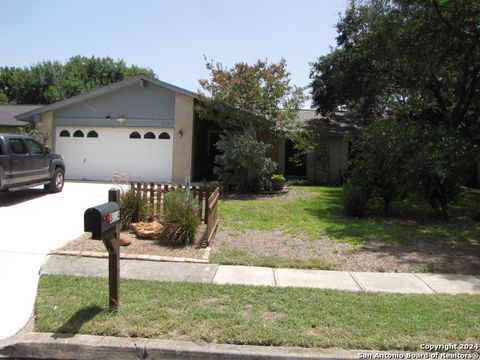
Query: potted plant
[{"x": 278, "y": 182}]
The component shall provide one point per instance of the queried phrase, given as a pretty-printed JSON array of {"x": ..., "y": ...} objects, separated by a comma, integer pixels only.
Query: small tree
[
  {"x": 252, "y": 103},
  {"x": 243, "y": 164},
  {"x": 255, "y": 99}
]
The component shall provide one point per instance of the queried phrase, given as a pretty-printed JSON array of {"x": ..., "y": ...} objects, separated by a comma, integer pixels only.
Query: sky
[{"x": 171, "y": 37}]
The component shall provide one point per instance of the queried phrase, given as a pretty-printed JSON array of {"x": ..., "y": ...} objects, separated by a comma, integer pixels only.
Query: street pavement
[
  {"x": 406, "y": 283},
  {"x": 34, "y": 223}
]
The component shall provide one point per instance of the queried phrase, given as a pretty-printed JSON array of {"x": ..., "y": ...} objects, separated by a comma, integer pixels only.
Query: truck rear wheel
[{"x": 56, "y": 182}]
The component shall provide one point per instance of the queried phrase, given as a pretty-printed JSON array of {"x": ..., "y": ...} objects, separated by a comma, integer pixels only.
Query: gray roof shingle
[
  {"x": 8, "y": 113},
  {"x": 339, "y": 123}
]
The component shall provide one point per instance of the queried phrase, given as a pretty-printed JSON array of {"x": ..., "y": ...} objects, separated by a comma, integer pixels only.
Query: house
[
  {"x": 329, "y": 171},
  {"x": 139, "y": 128},
  {"x": 8, "y": 121},
  {"x": 144, "y": 129}
]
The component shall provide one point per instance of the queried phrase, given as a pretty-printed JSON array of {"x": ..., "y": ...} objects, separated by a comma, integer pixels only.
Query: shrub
[
  {"x": 132, "y": 208},
  {"x": 243, "y": 164},
  {"x": 277, "y": 177},
  {"x": 354, "y": 199},
  {"x": 436, "y": 171},
  {"x": 180, "y": 218},
  {"x": 380, "y": 152},
  {"x": 394, "y": 159}
]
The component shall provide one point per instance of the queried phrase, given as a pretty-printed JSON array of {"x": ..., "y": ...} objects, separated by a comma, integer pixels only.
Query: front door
[{"x": 293, "y": 168}]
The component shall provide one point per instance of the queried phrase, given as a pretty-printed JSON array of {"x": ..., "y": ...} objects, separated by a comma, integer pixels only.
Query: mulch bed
[{"x": 139, "y": 248}]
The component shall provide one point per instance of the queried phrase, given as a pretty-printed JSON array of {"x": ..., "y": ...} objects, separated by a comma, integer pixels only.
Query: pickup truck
[{"x": 25, "y": 163}]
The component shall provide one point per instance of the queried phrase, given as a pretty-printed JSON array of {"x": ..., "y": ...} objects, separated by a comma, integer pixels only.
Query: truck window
[
  {"x": 34, "y": 147},
  {"x": 17, "y": 146}
]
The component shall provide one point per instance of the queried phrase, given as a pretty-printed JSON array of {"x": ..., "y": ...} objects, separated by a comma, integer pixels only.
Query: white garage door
[{"x": 100, "y": 153}]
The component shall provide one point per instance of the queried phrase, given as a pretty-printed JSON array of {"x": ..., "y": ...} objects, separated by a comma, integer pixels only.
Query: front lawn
[
  {"x": 411, "y": 236},
  {"x": 317, "y": 211},
  {"x": 256, "y": 315}
]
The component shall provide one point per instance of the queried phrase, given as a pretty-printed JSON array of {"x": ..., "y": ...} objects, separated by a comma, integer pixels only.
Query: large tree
[
  {"x": 50, "y": 81},
  {"x": 410, "y": 59}
]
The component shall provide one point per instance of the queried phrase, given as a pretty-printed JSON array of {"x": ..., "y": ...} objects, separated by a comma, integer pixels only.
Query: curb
[{"x": 33, "y": 345}]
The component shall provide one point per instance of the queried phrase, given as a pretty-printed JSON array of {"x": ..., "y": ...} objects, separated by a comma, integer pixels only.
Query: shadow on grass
[
  {"x": 74, "y": 324},
  {"x": 404, "y": 226},
  {"x": 444, "y": 245}
]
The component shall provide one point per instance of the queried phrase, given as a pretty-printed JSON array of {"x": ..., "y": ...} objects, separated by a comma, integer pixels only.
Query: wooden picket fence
[{"x": 153, "y": 193}]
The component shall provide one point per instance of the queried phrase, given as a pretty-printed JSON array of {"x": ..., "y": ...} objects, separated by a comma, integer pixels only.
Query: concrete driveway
[{"x": 32, "y": 224}]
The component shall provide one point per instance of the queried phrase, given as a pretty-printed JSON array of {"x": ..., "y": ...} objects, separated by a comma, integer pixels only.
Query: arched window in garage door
[
  {"x": 78, "y": 133},
  {"x": 65, "y": 133},
  {"x": 92, "y": 134},
  {"x": 164, "y": 135},
  {"x": 135, "y": 135},
  {"x": 149, "y": 135}
]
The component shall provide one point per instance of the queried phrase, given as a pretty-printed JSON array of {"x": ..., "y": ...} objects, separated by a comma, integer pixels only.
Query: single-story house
[
  {"x": 335, "y": 131},
  {"x": 8, "y": 121},
  {"x": 144, "y": 129}
]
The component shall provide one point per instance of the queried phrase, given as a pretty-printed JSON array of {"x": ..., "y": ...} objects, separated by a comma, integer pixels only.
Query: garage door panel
[{"x": 113, "y": 152}]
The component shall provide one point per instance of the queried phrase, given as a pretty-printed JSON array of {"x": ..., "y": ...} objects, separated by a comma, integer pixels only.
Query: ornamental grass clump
[
  {"x": 133, "y": 208},
  {"x": 180, "y": 218}
]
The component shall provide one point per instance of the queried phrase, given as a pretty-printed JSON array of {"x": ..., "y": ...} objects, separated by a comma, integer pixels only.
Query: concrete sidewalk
[{"x": 422, "y": 283}]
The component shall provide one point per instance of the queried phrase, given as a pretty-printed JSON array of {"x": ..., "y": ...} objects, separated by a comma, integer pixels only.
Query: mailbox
[{"x": 101, "y": 220}]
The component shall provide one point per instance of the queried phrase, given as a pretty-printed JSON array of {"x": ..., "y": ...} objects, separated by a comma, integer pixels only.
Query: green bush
[
  {"x": 243, "y": 164},
  {"x": 354, "y": 199},
  {"x": 437, "y": 170},
  {"x": 180, "y": 218},
  {"x": 396, "y": 159},
  {"x": 132, "y": 209},
  {"x": 380, "y": 152},
  {"x": 277, "y": 177}
]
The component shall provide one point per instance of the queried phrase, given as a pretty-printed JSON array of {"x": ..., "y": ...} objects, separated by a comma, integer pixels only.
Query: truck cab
[{"x": 24, "y": 163}]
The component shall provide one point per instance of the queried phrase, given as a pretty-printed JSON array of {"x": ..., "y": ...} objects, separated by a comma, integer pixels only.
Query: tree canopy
[
  {"x": 251, "y": 97},
  {"x": 411, "y": 59},
  {"x": 51, "y": 81}
]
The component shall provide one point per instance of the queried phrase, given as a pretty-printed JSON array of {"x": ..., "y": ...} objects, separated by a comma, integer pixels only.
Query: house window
[
  {"x": 65, "y": 133},
  {"x": 135, "y": 135},
  {"x": 149, "y": 135},
  {"x": 164, "y": 135},
  {"x": 78, "y": 133},
  {"x": 92, "y": 134}
]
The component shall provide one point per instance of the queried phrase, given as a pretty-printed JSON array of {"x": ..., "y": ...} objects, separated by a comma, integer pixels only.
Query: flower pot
[{"x": 278, "y": 185}]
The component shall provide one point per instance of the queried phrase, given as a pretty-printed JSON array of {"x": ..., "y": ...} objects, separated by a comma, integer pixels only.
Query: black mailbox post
[{"x": 104, "y": 223}]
